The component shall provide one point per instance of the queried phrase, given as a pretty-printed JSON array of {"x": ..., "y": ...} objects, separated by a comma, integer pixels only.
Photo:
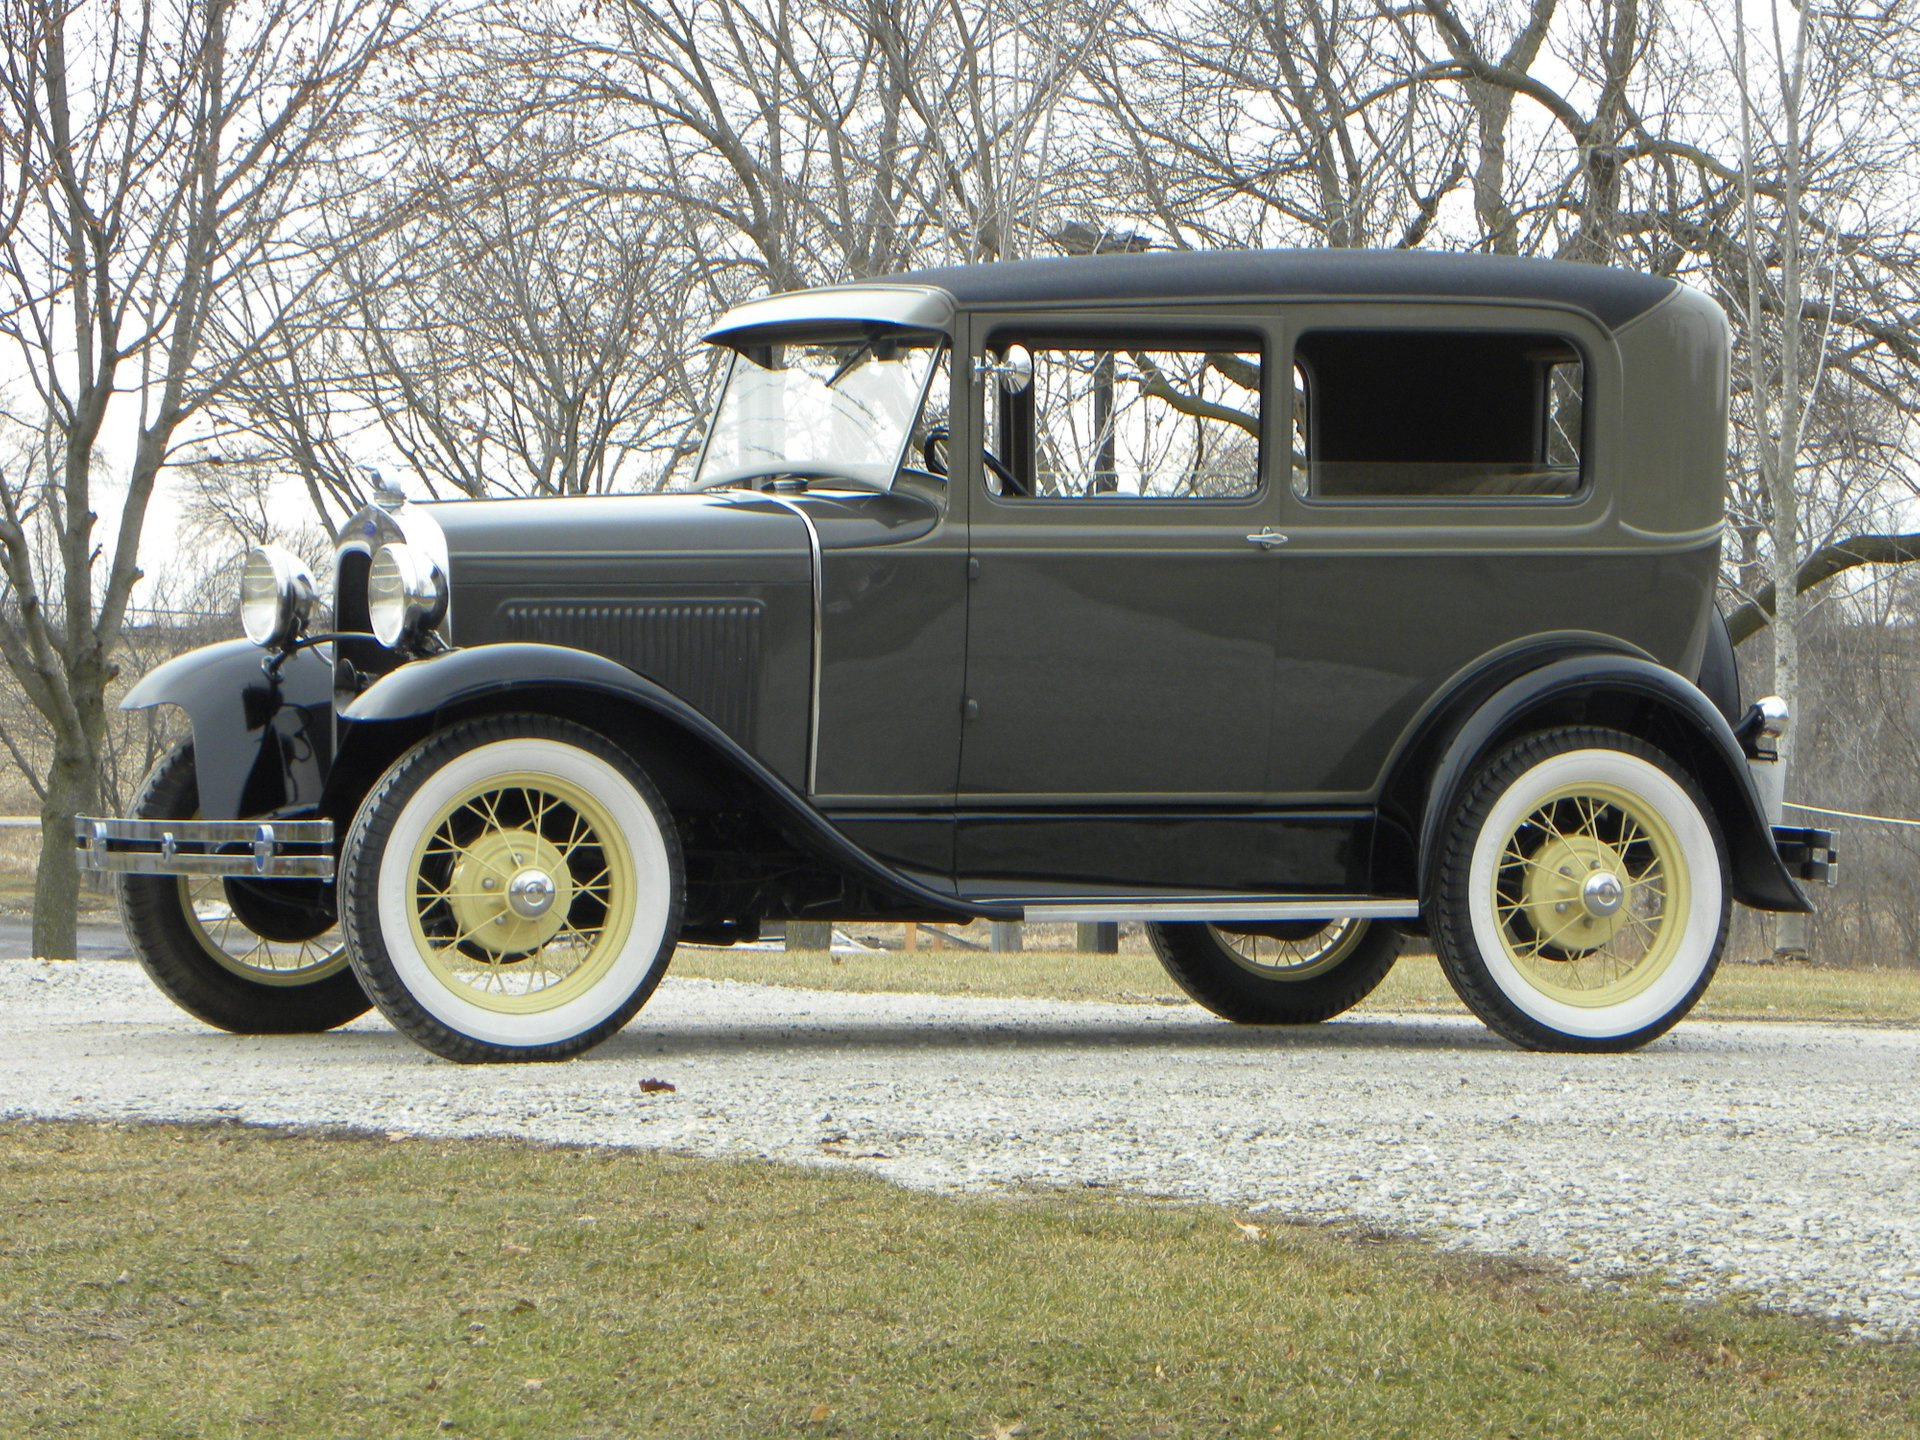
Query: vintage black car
[{"x": 1288, "y": 602}]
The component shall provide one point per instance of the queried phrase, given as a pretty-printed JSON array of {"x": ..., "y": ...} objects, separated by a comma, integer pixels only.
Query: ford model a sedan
[{"x": 1289, "y": 603}]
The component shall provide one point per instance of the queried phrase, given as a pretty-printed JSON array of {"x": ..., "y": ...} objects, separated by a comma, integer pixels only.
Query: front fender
[
  {"x": 553, "y": 679},
  {"x": 457, "y": 679},
  {"x": 1627, "y": 693},
  {"x": 262, "y": 745}
]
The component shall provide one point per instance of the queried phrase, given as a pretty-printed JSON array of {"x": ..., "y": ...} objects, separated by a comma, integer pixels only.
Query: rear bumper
[
  {"x": 241, "y": 849},
  {"x": 1808, "y": 854}
]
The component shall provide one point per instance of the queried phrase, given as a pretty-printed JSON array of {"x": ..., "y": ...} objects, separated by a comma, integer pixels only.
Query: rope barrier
[{"x": 1853, "y": 815}]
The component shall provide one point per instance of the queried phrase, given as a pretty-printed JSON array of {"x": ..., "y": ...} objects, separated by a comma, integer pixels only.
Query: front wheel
[
  {"x": 1297, "y": 973},
  {"x": 1582, "y": 900},
  {"x": 257, "y": 957},
  {"x": 511, "y": 890}
]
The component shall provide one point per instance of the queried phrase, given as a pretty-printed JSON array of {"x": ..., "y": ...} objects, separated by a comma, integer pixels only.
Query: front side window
[
  {"x": 1437, "y": 415},
  {"x": 1125, "y": 422},
  {"x": 839, "y": 410}
]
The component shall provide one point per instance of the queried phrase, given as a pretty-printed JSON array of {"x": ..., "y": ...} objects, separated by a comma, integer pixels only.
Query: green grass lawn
[
  {"x": 1771, "y": 992},
  {"x": 163, "y": 1281}
]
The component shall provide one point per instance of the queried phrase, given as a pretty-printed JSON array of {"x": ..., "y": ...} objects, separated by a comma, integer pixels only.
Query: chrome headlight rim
[
  {"x": 406, "y": 594},
  {"x": 276, "y": 596}
]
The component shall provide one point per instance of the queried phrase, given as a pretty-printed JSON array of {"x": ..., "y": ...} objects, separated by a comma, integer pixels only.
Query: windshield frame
[{"x": 855, "y": 334}]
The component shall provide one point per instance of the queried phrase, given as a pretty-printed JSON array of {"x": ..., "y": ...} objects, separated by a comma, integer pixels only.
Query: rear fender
[
  {"x": 1641, "y": 698},
  {"x": 262, "y": 744}
]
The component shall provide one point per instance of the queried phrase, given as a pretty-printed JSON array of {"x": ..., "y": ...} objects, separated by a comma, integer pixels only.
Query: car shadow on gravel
[{"x": 763, "y": 1036}]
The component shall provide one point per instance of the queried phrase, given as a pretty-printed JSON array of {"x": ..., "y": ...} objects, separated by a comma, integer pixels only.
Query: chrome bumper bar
[{"x": 243, "y": 849}]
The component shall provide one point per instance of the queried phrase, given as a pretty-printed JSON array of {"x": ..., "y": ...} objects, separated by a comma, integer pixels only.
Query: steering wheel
[
  {"x": 934, "y": 451},
  {"x": 1009, "y": 482}
]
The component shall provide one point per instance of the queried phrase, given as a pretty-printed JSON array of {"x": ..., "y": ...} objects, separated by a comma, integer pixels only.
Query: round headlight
[
  {"x": 406, "y": 594},
  {"x": 276, "y": 596}
]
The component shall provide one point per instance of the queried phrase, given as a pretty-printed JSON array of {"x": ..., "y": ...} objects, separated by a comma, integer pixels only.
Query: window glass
[
  {"x": 1168, "y": 423},
  {"x": 1437, "y": 414},
  {"x": 837, "y": 408}
]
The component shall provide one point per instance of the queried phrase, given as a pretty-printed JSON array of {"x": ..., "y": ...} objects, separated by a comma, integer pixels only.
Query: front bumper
[
  {"x": 1808, "y": 854},
  {"x": 238, "y": 849}
]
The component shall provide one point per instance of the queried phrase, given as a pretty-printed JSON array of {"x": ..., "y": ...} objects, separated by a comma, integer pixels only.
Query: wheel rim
[
  {"x": 1290, "y": 960},
  {"x": 1590, "y": 895},
  {"x": 523, "y": 893},
  {"x": 248, "y": 954}
]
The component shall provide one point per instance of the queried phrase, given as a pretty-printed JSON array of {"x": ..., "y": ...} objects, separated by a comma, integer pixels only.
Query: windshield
[{"x": 819, "y": 409}]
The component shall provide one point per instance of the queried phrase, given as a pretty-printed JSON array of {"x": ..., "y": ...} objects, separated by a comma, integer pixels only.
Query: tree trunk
[{"x": 71, "y": 785}]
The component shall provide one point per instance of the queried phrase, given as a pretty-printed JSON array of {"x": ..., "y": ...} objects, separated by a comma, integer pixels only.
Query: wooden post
[
  {"x": 1100, "y": 938},
  {"x": 912, "y": 941},
  {"x": 809, "y": 935},
  {"x": 1006, "y": 935}
]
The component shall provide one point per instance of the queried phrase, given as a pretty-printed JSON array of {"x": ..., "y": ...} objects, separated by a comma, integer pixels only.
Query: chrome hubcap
[
  {"x": 1602, "y": 893},
  {"x": 530, "y": 894}
]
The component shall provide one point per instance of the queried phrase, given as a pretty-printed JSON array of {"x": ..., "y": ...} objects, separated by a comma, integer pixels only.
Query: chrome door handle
[{"x": 1268, "y": 538}]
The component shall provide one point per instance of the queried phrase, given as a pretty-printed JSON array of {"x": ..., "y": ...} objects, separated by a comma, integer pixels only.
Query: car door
[{"x": 1123, "y": 593}]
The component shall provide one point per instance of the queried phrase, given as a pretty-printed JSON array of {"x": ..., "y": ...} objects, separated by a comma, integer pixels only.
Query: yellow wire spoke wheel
[
  {"x": 511, "y": 890},
  {"x": 1581, "y": 899},
  {"x": 1299, "y": 958},
  {"x": 1592, "y": 893},
  {"x": 523, "y": 892},
  {"x": 244, "y": 952}
]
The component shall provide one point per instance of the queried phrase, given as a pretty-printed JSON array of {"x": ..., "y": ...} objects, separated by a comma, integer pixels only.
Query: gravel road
[{"x": 1781, "y": 1162}]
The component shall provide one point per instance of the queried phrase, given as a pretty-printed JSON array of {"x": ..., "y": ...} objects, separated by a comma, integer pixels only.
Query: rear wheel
[
  {"x": 512, "y": 890},
  {"x": 1296, "y": 973},
  {"x": 1582, "y": 902},
  {"x": 257, "y": 957}
]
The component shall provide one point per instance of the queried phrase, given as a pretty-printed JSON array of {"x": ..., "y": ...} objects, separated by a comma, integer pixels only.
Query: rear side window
[
  {"x": 1438, "y": 415},
  {"x": 1158, "y": 422}
]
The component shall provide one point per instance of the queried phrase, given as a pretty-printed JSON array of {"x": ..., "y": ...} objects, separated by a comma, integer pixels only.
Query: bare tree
[
  {"x": 505, "y": 317},
  {"x": 1291, "y": 122},
  {"x": 148, "y": 155}
]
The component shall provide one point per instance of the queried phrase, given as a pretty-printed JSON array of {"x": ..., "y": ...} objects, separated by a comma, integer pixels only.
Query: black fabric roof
[{"x": 1611, "y": 296}]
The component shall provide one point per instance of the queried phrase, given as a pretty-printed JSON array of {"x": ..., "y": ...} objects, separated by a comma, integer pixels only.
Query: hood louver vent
[{"x": 707, "y": 653}]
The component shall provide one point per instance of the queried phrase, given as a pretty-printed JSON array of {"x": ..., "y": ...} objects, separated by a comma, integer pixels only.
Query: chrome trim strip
[
  {"x": 1198, "y": 907},
  {"x": 819, "y": 629}
]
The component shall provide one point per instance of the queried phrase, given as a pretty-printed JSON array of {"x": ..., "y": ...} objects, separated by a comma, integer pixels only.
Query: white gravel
[{"x": 1779, "y": 1162}]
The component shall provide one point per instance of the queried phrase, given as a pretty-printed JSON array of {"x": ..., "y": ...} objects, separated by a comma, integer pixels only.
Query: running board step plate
[{"x": 1201, "y": 907}]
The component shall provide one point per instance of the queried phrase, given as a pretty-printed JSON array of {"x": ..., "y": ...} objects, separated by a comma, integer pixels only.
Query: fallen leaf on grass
[
  {"x": 1005, "y": 1430},
  {"x": 1250, "y": 1231},
  {"x": 509, "y": 1247},
  {"x": 531, "y": 1384},
  {"x": 818, "y": 1414}
]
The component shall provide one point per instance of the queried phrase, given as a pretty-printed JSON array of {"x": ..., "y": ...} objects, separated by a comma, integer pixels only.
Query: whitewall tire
[
  {"x": 512, "y": 890},
  {"x": 1582, "y": 899}
]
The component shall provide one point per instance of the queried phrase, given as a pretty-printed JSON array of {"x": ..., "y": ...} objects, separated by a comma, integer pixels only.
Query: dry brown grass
[{"x": 167, "y": 1281}]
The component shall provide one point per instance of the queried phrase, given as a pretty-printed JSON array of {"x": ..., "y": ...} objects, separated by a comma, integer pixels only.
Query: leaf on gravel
[{"x": 656, "y": 1087}]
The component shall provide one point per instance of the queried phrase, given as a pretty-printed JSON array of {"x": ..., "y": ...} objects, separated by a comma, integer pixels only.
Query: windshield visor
[{"x": 819, "y": 409}]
